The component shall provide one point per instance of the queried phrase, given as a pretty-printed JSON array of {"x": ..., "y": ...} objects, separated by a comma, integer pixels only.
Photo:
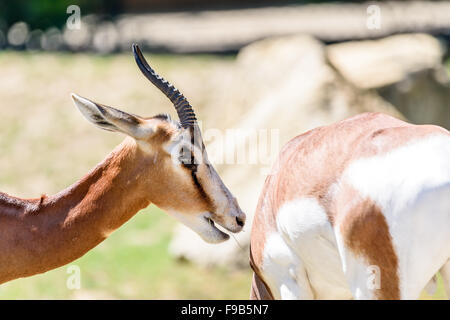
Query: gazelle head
[{"x": 183, "y": 181}]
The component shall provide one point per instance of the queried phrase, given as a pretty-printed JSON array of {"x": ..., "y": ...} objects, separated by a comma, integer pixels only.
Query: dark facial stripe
[
  {"x": 193, "y": 166},
  {"x": 193, "y": 169}
]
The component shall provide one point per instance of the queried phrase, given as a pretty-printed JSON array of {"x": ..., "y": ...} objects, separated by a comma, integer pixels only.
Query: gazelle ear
[{"x": 112, "y": 119}]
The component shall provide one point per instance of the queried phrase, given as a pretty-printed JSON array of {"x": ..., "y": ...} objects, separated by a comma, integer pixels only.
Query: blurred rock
[
  {"x": 34, "y": 40},
  {"x": 18, "y": 33},
  {"x": 406, "y": 70},
  {"x": 228, "y": 30},
  {"x": 287, "y": 87},
  {"x": 128, "y": 32},
  {"x": 232, "y": 29},
  {"x": 79, "y": 39},
  {"x": 106, "y": 38},
  {"x": 52, "y": 39},
  {"x": 423, "y": 97},
  {"x": 374, "y": 64}
]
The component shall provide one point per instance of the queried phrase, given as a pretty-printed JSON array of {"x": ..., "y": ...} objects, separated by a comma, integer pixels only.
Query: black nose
[{"x": 240, "y": 221}]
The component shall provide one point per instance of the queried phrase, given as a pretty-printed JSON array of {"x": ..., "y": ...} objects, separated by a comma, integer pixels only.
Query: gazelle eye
[
  {"x": 187, "y": 159},
  {"x": 185, "y": 155}
]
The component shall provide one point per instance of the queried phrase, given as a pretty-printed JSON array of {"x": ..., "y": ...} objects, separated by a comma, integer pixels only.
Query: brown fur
[
  {"x": 37, "y": 235},
  {"x": 310, "y": 163},
  {"x": 366, "y": 233}
]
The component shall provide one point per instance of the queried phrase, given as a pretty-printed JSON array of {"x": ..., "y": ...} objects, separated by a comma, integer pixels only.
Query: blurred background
[{"x": 269, "y": 70}]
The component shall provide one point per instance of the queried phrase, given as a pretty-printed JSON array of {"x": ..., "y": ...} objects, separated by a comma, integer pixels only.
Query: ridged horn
[{"x": 184, "y": 109}]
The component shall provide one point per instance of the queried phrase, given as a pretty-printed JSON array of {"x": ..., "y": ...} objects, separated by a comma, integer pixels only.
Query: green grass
[{"x": 439, "y": 294}]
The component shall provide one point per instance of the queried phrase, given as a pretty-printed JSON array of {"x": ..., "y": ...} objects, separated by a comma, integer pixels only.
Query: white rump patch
[
  {"x": 394, "y": 179},
  {"x": 303, "y": 218}
]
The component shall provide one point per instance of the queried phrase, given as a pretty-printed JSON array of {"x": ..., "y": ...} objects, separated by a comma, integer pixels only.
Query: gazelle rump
[
  {"x": 358, "y": 209},
  {"x": 161, "y": 161}
]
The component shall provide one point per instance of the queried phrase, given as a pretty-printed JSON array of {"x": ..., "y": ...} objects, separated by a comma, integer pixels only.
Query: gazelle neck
[{"x": 41, "y": 234}]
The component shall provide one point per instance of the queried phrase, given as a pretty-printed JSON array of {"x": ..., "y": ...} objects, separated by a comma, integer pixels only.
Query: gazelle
[
  {"x": 161, "y": 161},
  {"x": 358, "y": 209}
]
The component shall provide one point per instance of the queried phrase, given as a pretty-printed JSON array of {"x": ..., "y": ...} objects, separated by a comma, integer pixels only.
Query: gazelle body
[
  {"x": 161, "y": 161},
  {"x": 358, "y": 209}
]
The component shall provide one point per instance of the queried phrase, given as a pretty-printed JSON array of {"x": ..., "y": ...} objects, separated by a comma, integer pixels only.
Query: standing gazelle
[
  {"x": 358, "y": 209},
  {"x": 161, "y": 162}
]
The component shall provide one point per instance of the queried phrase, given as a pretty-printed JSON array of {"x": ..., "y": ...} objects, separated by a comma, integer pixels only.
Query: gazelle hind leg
[
  {"x": 259, "y": 290},
  {"x": 445, "y": 273},
  {"x": 284, "y": 271}
]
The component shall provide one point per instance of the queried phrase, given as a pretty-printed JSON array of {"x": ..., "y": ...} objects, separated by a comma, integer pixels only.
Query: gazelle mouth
[{"x": 216, "y": 230}]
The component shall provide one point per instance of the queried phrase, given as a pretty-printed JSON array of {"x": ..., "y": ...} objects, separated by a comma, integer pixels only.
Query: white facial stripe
[{"x": 201, "y": 226}]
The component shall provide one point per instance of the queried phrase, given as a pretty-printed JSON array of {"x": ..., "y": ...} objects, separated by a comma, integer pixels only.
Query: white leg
[
  {"x": 284, "y": 271},
  {"x": 367, "y": 281},
  {"x": 289, "y": 282},
  {"x": 362, "y": 280}
]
